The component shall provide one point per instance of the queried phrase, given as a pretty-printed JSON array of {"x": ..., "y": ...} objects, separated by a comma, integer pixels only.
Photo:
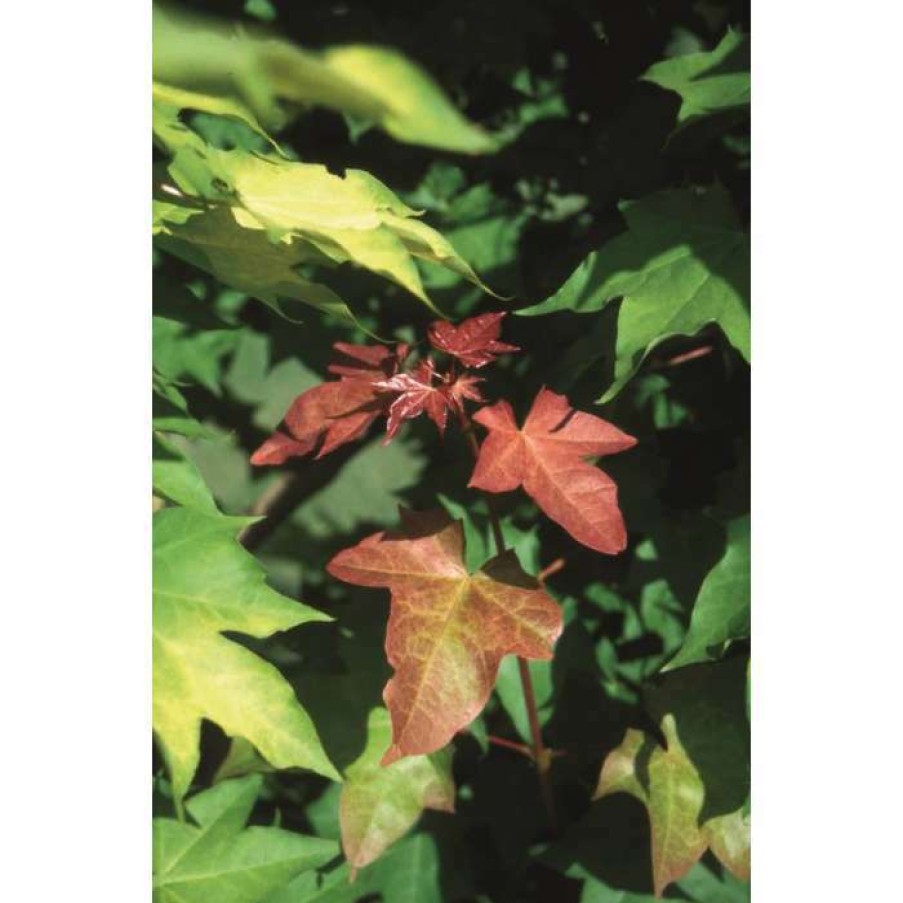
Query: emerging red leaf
[
  {"x": 448, "y": 630},
  {"x": 335, "y": 412},
  {"x": 546, "y": 457},
  {"x": 474, "y": 343},
  {"x": 418, "y": 394},
  {"x": 464, "y": 387}
]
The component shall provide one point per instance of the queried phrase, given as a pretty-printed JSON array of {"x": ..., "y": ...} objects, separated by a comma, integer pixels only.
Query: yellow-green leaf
[
  {"x": 695, "y": 786},
  {"x": 215, "y": 860},
  {"x": 379, "y": 804},
  {"x": 248, "y": 73},
  {"x": 204, "y": 584},
  {"x": 267, "y": 216}
]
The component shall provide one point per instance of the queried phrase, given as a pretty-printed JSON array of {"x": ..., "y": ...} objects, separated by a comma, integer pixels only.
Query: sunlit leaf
[
  {"x": 449, "y": 629},
  {"x": 379, "y": 804},
  {"x": 205, "y": 64},
  {"x": 216, "y": 859},
  {"x": 547, "y": 457},
  {"x": 204, "y": 584}
]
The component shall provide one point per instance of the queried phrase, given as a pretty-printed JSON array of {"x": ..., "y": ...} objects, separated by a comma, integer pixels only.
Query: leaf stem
[
  {"x": 541, "y": 756},
  {"x": 522, "y": 748}
]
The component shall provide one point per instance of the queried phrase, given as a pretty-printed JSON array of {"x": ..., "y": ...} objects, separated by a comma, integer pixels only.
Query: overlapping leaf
[
  {"x": 331, "y": 414},
  {"x": 271, "y": 216},
  {"x": 204, "y": 64},
  {"x": 175, "y": 476},
  {"x": 204, "y": 584},
  {"x": 682, "y": 263},
  {"x": 196, "y": 355},
  {"x": 371, "y": 384},
  {"x": 215, "y": 859},
  {"x": 696, "y": 787},
  {"x": 547, "y": 457},
  {"x": 170, "y": 410},
  {"x": 379, "y": 804},
  {"x": 419, "y": 392},
  {"x": 475, "y": 342},
  {"x": 247, "y": 261},
  {"x": 448, "y": 629}
]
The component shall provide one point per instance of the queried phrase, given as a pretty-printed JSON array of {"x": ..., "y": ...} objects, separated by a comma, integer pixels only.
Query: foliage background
[{"x": 562, "y": 81}]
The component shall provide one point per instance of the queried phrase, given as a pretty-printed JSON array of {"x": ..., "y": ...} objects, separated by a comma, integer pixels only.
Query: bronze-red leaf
[
  {"x": 474, "y": 342},
  {"x": 547, "y": 457}
]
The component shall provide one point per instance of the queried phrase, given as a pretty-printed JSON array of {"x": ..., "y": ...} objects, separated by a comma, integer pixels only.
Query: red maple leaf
[
  {"x": 464, "y": 386},
  {"x": 418, "y": 393},
  {"x": 448, "y": 629},
  {"x": 546, "y": 457},
  {"x": 339, "y": 411},
  {"x": 474, "y": 342}
]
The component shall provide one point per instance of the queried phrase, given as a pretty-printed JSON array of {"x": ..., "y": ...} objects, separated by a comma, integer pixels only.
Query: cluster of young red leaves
[
  {"x": 373, "y": 383},
  {"x": 448, "y": 629}
]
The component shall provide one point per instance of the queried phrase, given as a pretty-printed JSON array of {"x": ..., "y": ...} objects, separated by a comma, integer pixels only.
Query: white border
[
  {"x": 826, "y": 413},
  {"x": 74, "y": 371},
  {"x": 75, "y": 378}
]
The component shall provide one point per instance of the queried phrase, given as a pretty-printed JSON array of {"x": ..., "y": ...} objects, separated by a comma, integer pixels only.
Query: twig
[
  {"x": 684, "y": 358},
  {"x": 549, "y": 571},
  {"x": 522, "y": 748},
  {"x": 277, "y": 502},
  {"x": 540, "y": 755}
]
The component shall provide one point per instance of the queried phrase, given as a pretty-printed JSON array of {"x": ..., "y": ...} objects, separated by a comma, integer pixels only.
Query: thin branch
[
  {"x": 550, "y": 570},
  {"x": 540, "y": 755},
  {"x": 684, "y": 358},
  {"x": 293, "y": 487},
  {"x": 522, "y": 748}
]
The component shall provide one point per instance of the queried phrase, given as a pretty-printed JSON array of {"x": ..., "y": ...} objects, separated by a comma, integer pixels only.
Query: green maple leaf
[
  {"x": 215, "y": 860},
  {"x": 707, "y": 83},
  {"x": 204, "y": 584},
  {"x": 695, "y": 787},
  {"x": 721, "y": 612},
  {"x": 682, "y": 264},
  {"x": 183, "y": 353},
  {"x": 175, "y": 476},
  {"x": 380, "y": 804}
]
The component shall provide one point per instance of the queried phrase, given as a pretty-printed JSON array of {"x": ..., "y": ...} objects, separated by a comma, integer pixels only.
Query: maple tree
[{"x": 451, "y": 548}]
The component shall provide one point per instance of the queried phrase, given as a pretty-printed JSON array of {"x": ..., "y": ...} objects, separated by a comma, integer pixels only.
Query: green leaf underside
[
  {"x": 267, "y": 217},
  {"x": 205, "y": 583},
  {"x": 721, "y": 612},
  {"x": 215, "y": 860},
  {"x": 682, "y": 264}
]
